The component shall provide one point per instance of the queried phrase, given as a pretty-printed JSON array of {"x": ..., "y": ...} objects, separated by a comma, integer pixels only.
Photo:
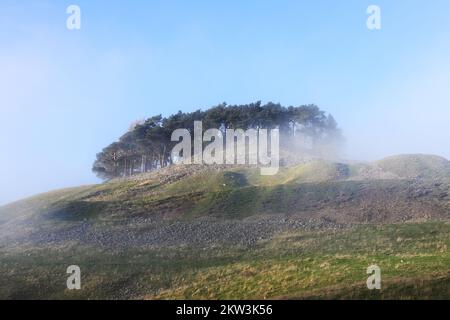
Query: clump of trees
[{"x": 147, "y": 145}]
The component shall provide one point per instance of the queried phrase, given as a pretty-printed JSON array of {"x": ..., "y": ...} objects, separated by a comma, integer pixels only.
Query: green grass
[{"x": 326, "y": 264}]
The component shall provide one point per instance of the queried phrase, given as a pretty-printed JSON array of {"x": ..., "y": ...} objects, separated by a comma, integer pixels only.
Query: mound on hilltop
[{"x": 416, "y": 166}]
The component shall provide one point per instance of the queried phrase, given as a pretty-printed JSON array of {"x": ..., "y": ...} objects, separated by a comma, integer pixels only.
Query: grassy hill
[{"x": 228, "y": 232}]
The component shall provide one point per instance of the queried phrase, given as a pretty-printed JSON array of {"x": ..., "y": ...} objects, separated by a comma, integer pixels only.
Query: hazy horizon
[{"x": 66, "y": 94}]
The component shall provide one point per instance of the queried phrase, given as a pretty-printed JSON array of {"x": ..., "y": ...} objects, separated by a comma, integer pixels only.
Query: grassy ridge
[{"x": 239, "y": 193}]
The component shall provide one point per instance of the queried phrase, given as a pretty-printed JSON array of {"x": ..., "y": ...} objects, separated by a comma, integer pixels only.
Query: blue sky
[{"x": 64, "y": 95}]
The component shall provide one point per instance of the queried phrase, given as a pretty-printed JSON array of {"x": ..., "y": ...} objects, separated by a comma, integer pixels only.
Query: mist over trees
[{"x": 305, "y": 131}]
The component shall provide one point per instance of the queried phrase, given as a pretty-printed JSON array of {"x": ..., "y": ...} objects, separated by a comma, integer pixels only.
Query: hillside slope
[
  {"x": 314, "y": 193},
  {"x": 171, "y": 233},
  {"x": 237, "y": 192}
]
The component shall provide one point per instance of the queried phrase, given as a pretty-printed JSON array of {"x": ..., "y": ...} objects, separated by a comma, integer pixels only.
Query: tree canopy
[{"x": 147, "y": 145}]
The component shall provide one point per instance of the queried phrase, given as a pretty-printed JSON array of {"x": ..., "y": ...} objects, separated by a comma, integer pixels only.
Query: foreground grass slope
[
  {"x": 227, "y": 232},
  {"x": 414, "y": 260}
]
